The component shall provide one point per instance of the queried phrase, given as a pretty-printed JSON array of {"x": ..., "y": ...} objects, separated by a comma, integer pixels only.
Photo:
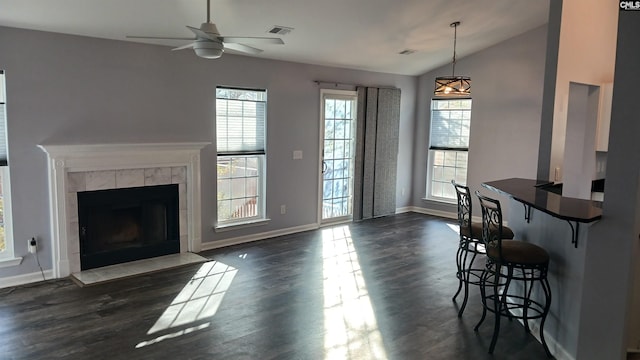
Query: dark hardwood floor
[{"x": 377, "y": 289}]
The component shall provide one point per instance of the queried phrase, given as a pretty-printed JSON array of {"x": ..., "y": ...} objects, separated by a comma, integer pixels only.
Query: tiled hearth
[
  {"x": 145, "y": 266},
  {"x": 75, "y": 168}
]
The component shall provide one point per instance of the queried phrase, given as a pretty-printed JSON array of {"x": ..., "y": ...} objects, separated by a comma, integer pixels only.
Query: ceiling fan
[{"x": 209, "y": 44}]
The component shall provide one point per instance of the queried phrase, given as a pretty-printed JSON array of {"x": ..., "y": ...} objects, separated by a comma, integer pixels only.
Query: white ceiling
[{"x": 357, "y": 34}]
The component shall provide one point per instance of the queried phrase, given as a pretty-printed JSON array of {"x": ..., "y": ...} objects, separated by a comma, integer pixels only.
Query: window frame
[
  {"x": 431, "y": 152},
  {"x": 226, "y": 155},
  {"x": 7, "y": 256}
]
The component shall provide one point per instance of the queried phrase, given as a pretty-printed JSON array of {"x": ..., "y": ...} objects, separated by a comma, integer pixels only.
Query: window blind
[
  {"x": 240, "y": 121},
  {"x": 3, "y": 123},
  {"x": 450, "y": 124}
]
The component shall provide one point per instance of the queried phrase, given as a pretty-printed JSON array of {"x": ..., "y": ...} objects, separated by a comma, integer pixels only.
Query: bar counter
[
  {"x": 532, "y": 193},
  {"x": 572, "y": 280}
]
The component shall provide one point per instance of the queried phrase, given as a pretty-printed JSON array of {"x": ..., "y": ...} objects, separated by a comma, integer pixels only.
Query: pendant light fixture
[{"x": 453, "y": 85}]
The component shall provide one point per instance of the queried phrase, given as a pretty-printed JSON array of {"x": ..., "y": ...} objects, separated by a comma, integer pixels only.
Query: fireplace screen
[{"x": 121, "y": 225}]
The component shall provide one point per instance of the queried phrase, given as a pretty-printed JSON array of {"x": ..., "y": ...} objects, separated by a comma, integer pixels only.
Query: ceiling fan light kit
[
  {"x": 453, "y": 85},
  {"x": 209, "y": 44},
  {"x": 208, "y": 49}
]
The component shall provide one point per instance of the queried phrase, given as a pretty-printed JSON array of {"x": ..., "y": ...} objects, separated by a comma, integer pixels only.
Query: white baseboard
[
  {"x": 210, "y": 245},
  {"x": 438, "y": 213},
  {"x": 421, "y": 210},
  {"x": 25, "y": 279}
]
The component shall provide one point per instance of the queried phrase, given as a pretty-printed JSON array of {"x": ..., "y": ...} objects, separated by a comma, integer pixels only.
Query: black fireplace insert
[{"x": 122, "y": 225}]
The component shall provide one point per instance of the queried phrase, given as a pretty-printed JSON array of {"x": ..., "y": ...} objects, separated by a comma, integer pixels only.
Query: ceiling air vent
[
  {"x": 407, "y": 52},
  {"x": 280, "y": 30}
]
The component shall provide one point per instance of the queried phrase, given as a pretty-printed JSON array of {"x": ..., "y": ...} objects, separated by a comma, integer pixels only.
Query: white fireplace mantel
[{"x": 64, "y": 159}]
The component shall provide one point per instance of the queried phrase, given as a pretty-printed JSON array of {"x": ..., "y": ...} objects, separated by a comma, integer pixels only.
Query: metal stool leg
[
  {"x": 459, "y": 273},
  {"x": 467, "y": 273},
  {"x": 483, "y": 282},
  {"x": 497, "y": 306},
  {"x": 547, "y": 295}
]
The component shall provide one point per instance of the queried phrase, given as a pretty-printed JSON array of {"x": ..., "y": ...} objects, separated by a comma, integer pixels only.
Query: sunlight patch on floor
[
  {"x": 454, "y": 227},
  {"x": 351, "y": 330},
  {"x": 199, "y": 300},
  {"x": 173, "y": 335}
]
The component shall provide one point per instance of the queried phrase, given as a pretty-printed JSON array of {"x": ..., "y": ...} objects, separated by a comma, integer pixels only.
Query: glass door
[{"x": 338, "y": 125}]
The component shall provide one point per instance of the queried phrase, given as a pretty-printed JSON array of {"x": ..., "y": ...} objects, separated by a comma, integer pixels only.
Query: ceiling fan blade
[
  {"x": 242, "y": 48},
  {"x": 160, "y": 37},
  {"x": 251, "y": 40},
  {"x": 188, "y": 46},
  {"x": 204, "y": 35}
]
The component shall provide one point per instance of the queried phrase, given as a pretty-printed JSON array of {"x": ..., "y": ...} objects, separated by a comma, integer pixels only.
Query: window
[
  {"x": 240, "y": 140},
  {"x": 448, "y": 147},
  {"x": 6, "y": 240}
]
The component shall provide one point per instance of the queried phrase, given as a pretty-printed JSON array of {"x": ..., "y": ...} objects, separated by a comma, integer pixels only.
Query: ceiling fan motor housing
[
  {"x": 210, "y": 28},
  {"x": 208, "y": 49}
]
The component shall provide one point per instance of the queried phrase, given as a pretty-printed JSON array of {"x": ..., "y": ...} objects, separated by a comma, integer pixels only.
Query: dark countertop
[{"x": 531, "y": 192}]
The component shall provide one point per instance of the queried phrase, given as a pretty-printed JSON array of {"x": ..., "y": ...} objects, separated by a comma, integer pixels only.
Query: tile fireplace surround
[{"x": 74, "y": 168}]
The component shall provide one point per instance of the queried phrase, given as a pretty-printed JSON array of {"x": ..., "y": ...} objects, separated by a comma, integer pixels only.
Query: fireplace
[
  {"x": 75, "y": 169},
  {"x": 121, "y": 225}
]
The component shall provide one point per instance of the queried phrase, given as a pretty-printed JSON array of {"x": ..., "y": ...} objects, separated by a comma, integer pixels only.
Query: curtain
[{"x": 376, "y": 155}]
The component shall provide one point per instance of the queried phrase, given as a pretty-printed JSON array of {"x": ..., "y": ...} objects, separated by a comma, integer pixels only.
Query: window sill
[
  {"x": 242, "y": 225},
  {"x": 10, "y": 262}
]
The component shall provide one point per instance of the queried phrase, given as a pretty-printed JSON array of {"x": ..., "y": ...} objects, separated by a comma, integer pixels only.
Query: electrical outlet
[
  {"x": 32, "y": 245},
  {"x": 283, "y": 209}
]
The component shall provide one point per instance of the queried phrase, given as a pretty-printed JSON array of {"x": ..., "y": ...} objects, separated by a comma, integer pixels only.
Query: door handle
[{"x": 324, "y": 166}]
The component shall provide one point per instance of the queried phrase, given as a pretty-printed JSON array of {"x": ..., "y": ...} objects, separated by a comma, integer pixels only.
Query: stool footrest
[{"x": 515, "y": 305}]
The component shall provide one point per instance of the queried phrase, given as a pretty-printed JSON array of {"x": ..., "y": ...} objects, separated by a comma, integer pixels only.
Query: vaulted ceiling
[{"x": 357, "y": 34}]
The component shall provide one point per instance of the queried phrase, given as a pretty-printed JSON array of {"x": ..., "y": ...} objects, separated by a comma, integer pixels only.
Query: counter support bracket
[
  {"x": 527, "y": 212},
  {"x": 574, "y": 233}
]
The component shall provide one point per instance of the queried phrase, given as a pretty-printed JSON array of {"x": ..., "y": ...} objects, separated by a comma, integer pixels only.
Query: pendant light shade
[{"x": 453, "y": 85}]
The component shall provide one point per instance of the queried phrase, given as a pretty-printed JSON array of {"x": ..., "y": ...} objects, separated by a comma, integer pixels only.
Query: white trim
[
  {"x": 25, "y": 279},
  {"x": 421, "y": 210},
  {"x": 13, "y": 261},
  {"x": 78, "y": 158},
  {"x": 440, "y": 200},
  {"x": 240, "y": 225},
  {"x": 439, "y": 213},
  {"x": 210, "y": 245}
]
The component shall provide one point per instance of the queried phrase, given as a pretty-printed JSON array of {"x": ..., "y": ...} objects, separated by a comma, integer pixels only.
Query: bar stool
[
  {"x": 470, "y": 245},
  {"x": 511, "y": 262}
]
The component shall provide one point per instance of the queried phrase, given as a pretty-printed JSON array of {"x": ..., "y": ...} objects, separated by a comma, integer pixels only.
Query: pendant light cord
[{"x": 455, "y": 37}]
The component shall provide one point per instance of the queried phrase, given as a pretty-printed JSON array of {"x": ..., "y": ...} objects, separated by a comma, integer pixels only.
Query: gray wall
[
  {"x": 613, "y": 241},
  {"x": 507, "y": 83},
  {"x": 566, "y": 275},
  {"x": 64, "y": 89}
]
